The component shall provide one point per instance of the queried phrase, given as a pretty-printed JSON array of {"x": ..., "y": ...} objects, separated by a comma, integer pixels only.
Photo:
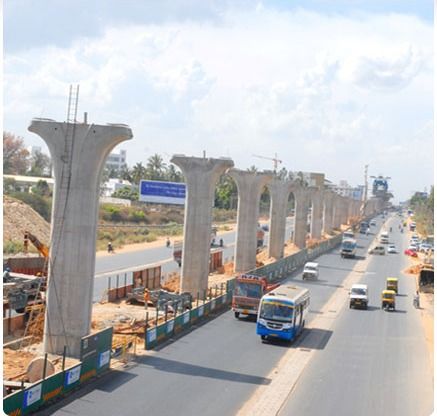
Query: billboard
[{"x": 162, "y": 192}]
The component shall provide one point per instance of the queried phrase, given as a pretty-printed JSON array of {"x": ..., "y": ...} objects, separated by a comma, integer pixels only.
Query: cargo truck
[{"x": 248, "y": 292}]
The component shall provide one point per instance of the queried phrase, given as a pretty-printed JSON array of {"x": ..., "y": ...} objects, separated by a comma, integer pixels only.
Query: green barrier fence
[{"x": 95, "y": 359}]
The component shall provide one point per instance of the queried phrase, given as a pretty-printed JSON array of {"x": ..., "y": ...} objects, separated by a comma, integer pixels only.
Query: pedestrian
[
  {"x": 221, "y": 242},
  {"x": 110, "y": 248}
]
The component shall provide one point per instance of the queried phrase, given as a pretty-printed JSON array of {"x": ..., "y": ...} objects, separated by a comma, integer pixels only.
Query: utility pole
[{"x": 364, "y": 199}]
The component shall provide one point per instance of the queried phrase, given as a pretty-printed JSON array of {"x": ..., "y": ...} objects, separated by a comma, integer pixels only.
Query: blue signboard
[{"x": 162, "y": 192}]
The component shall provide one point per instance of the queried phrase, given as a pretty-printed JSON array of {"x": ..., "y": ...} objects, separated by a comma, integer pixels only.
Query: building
[
  {"x": 116, "y": 161},
  {"x": 114, "y": 184},
  {"x": 311, "y": 178},
  {"x": 346, "y": 190}
]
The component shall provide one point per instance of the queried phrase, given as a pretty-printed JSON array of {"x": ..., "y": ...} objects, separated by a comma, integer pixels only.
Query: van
[
  {"x": 377, "y": 250},
  {"x": 348, "y": 235},
  {"x": 310, "y": 271},
  {"x": 383, "y": 237},
  {"x": 358, "y": 296}
]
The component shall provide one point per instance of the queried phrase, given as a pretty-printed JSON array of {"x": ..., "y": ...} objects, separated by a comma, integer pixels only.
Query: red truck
[{"x": 248, "y": 292}]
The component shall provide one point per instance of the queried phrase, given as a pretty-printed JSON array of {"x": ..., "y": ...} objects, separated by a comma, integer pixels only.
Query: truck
[
  {"x": 348, "y": 248},
  {"x": 177, "y": 252},
  {"x": 249, "y": 290}
]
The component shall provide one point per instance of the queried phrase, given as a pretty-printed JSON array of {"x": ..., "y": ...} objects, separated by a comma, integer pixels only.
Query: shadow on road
[
  {"x": 177, "y": 367},
  {"x": 314, "y": 339},
  {"x": 345, "y": 269}
]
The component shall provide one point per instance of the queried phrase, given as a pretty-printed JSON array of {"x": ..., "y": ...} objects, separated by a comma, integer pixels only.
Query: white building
[
  {"x": 116, "y": 161},
  {"x": 114, "y": 184}
]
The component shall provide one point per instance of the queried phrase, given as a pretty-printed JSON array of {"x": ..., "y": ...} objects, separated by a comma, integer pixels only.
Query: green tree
[
  {"x": 42, "y": 189},
  {"x": 126, "y": 192},
  {"x": 155, "y": 167},
  {"x": 15, "y": 155},
  {"x": 138, "y": 172},
  {"x": 173, "y": 175},
  {"x": 225, "y": 192},
  {"x": 10, "y": 186},
  {"x": 40, "y": 164}
]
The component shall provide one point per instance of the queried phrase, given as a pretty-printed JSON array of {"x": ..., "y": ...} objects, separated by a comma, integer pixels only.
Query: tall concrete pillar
[
  {"x": 316, "y": 214},
  {"x": 337, "y": 212},
  {"x": 279, "y": 192},
  {"x": 201, "y": 176},
  {"x": 250, "y": 186},
  {"x": 328, "y": 211},
  {"x": 78, "y": 153},
  {"x": 300, "y": 216}
]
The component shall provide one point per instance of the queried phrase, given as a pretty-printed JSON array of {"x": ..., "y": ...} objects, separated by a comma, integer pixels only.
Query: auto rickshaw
[
  {"x": 392, "y": 284},
  {"x": 388, "y": 299}
]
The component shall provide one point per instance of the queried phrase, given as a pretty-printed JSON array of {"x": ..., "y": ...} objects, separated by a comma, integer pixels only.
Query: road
[
  {"x": 162, "y": 255},
  {"x": 378, "y": 362},
  {"x": 217, "y": 367}
]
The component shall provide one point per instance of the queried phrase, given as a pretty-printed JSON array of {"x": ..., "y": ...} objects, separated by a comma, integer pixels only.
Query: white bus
[{"x": 282, "y": 312}]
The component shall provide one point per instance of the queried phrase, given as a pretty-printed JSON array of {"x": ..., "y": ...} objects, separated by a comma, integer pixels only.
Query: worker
[
  {"x": 110, "y": 248},
  {"x": 167, "y": 243},
  {"x": 221, "y": 242},
  {"x": 6, "y": 274},
  {"x": 416, "y": 300}
]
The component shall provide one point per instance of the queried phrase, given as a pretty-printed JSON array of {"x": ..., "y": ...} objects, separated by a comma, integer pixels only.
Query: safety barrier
[
  {"x": 164, "y": 331},
  {"x": 95, "y": 359}
]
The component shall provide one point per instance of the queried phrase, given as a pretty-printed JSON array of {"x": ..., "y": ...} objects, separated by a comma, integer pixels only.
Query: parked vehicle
[
  {"x": 388, "y": 300},
  {"x": 391, "y": 249},
  {"x": 310, "y": 271},
  {"x": 282, "y": 312},
  {"x": 392, "y": 284},
  {"x": 424, "y": 247},
  {"x": 377, "y": 250},
  {"x": 412, "y": 226},
  {"x": 413, "y": 247},
  {"x": 358, "y": 296},
  {"x": 348, "y": 248},
  {"x": 248, "y": 292},
  {"x": 410, "y": 252}
]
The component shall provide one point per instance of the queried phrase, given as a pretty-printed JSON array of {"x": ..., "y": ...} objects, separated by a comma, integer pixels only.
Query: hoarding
[{"x": 162, "y": 192}]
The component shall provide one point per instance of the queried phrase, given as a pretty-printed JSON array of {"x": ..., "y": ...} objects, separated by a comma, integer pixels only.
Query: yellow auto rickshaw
[
  {"x": 392, "y": 284},
  {"x": 388, "y": 299}
]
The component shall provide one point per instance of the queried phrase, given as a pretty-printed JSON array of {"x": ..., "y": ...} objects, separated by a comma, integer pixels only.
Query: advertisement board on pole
[{"x": 162, "y": 192}]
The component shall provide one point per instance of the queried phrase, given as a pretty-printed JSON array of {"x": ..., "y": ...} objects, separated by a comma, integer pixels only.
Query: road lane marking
[{"x": 268, "y": 400}]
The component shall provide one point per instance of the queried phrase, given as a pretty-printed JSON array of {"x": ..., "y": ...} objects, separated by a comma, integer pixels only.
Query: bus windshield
[
  {"x": 248, "y": 290},
  {"x": 275, "y": 310}
]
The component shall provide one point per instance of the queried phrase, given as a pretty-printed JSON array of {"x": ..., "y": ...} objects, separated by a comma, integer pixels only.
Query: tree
[
  {"x": 252, "y": 169},
  {"x": 155, "y": 167},
  {"x": 9, "y": 186},
  {"x": 138, "y": 172},
  {"x": 42, "y": 189},
  {"x": 225, "y": 192},
  {"x": 40, "y": 164},
  {"x": 15, "y": 155},
  {"x": 126, "y": 193},
  {"x": 173, "y": 175}
]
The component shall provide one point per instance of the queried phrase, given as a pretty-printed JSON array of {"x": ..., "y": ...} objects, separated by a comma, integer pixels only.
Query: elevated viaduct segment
[{"x": 78, "y": 153}]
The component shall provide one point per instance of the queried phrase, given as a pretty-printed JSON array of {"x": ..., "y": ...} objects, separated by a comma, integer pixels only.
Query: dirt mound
[{"x": 19, "y": 217}]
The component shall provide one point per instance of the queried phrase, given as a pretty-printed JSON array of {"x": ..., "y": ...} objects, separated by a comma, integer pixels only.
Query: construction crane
[
  {"x": 275, "y": 160},
  {"x": 42, "y": 248}
]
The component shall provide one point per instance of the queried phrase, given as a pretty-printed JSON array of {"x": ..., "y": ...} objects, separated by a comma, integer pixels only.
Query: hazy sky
[{"x": 327, "y": 85}]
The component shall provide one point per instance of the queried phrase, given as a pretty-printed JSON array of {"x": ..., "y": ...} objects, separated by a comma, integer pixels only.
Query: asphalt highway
[
  {"x": 377, "y": 362},
  {"x": 217, "y": 367}
]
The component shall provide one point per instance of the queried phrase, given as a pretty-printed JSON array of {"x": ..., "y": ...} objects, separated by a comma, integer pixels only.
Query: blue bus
[{"x": 282, "y": 312}]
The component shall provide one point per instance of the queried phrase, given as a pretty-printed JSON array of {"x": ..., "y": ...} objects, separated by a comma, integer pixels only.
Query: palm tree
[
  {"x": 155, "y": 167},
  {"x": 252, "y": 169},
  {"x": 173, "y": 175},
  {"x": 138, "y": 172}
]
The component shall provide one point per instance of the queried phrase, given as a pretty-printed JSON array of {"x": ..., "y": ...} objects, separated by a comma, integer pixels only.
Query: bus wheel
[
  {"x": 237, "y": 314},
  {"x": 263, "y": 337}
]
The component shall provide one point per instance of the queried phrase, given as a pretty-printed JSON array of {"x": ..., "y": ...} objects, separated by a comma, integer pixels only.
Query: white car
[
  {"x": 391, "y": 249},
  {"x": 425, "y": 247},
  {"x": 358, "y": 296},
  {"x": 310, "y": 271},
  {"x": 413, "y": 247}
]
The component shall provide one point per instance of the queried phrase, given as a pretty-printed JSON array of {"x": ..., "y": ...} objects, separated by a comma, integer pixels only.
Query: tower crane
[{"x": 275, "y": 160}]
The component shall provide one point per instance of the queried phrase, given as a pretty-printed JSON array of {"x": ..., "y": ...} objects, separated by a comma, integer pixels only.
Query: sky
[{"x": 329, "y": 86}]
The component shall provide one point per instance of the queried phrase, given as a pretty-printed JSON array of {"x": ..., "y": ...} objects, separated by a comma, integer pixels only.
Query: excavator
[{"x": 42, "y": 248}]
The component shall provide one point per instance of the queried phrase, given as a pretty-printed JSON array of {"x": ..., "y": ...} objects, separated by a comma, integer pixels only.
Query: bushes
[{"x": 12, "y": 247}]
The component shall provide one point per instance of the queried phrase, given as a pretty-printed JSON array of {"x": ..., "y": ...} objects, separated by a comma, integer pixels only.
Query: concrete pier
[
  {"x": 78, "y": 153},
  {"x": 301, "y": 215},
  {"x": 279, "y": 193},
  {"x": 317, "y": 213},
  {"x": 250, "y": 186},
  {"x": 328, "y": 211},
  {"x": 201, "y": 176}
]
